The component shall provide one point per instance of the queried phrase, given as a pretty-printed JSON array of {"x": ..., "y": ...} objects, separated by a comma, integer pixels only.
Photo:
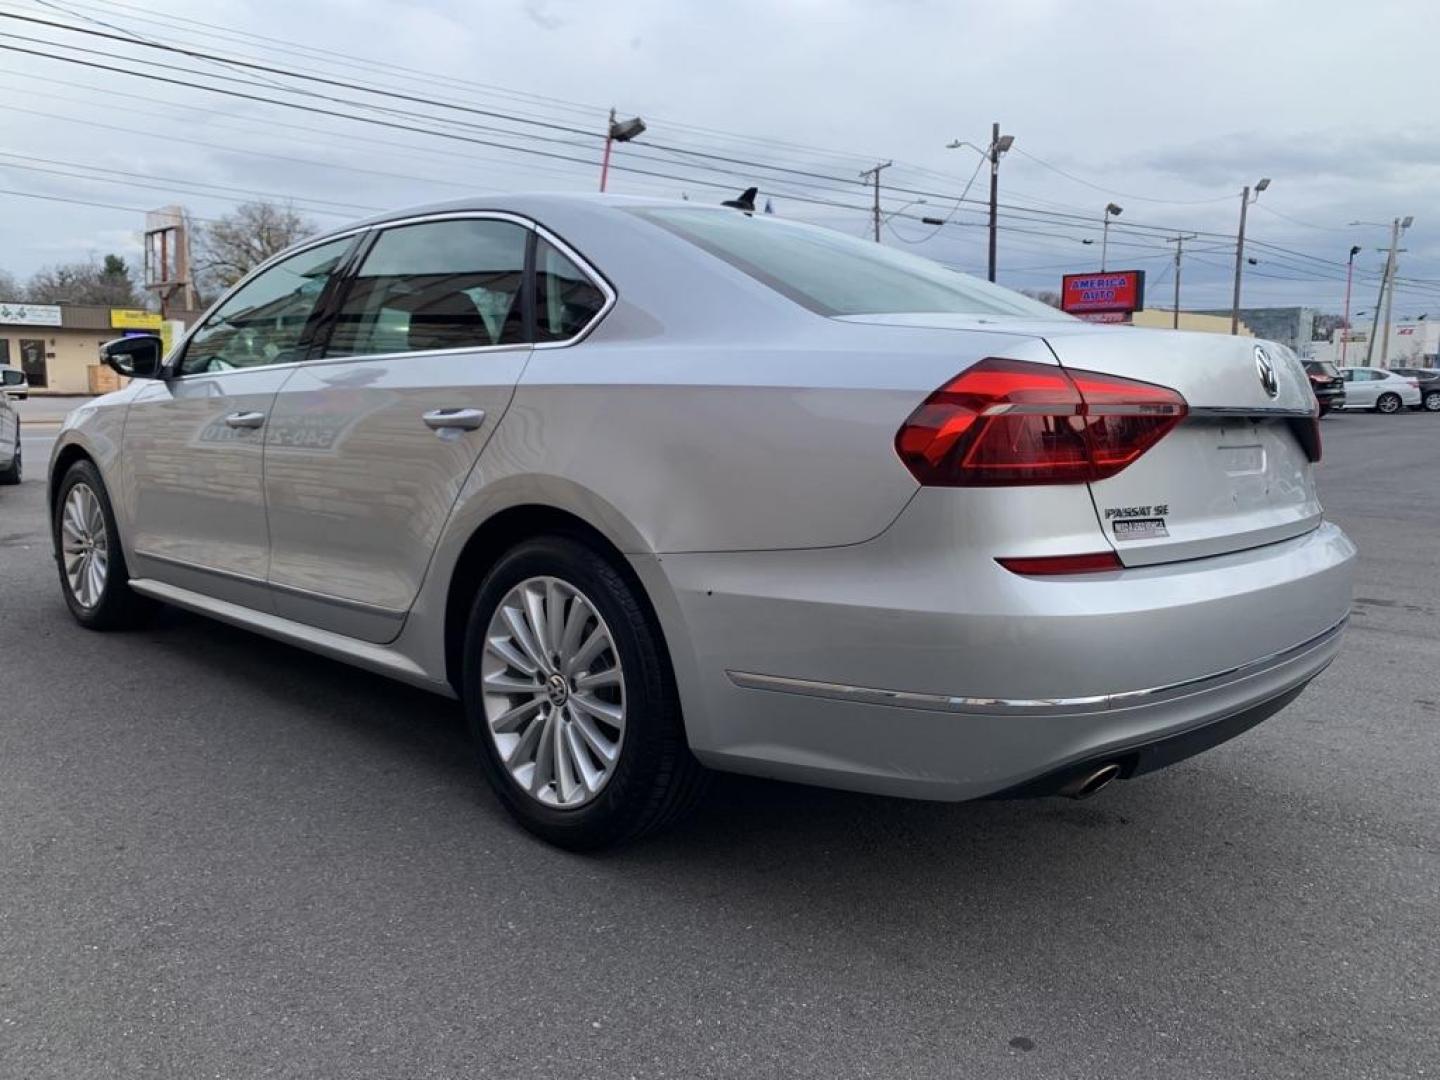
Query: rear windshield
[
  {"x": 834, "y": 274},
  {"x": 1322, "y": 367}
]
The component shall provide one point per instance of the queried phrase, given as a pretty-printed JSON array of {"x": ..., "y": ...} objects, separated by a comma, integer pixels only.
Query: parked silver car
[
  {"x": 12, "y": 465},
  {"x": 1378, "y": 389},
  {"x": 14, "y": 382},
  {"x": 654, "y": 487}
]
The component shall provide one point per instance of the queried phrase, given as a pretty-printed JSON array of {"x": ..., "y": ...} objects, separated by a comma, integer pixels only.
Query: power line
[{"x": 1115, "y": 191}]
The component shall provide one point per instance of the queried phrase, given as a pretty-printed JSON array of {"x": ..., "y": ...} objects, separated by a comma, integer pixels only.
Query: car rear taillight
[{"x": 1006, "y": 422}]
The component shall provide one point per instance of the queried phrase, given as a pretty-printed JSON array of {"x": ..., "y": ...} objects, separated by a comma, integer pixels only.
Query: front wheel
[
  {"x": 1431, "y": 401},
  {"x": 570, "y": 696},
  {"x": 93, "y": 575},
  {"x": 1388, "y": 403}
]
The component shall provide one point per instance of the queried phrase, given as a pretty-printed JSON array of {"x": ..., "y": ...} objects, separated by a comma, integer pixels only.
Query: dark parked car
[
  {"x": 1329, "y": 387},
  {"x": 1429, "y": 380}
]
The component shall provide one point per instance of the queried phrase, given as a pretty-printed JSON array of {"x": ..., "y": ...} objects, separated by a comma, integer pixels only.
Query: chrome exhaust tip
[{"x": 1090, "y": 783}]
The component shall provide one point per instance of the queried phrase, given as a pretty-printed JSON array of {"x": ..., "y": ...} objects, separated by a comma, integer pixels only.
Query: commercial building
[
  {"x": 1164, "y": 319},
  {"x": 1292, "y": 326},
  {"x": 1412, "y": 344},
  {"x": 58, "y": 345}
]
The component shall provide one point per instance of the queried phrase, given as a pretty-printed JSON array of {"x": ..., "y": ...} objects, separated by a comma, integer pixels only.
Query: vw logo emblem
[{"x": 1266, "y": 369}]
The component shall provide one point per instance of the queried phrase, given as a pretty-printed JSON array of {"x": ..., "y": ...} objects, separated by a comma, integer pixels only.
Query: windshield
[
  {"x": 834, "y": 274},
  {"x": 1322, "y": 367}
]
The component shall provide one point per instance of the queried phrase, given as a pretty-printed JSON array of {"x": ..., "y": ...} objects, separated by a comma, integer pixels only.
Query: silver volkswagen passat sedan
[{"x": 656, "y": 488}]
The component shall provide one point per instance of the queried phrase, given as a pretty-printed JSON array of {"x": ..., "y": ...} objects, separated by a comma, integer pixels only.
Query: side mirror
[{"x": 135, "y": 357}]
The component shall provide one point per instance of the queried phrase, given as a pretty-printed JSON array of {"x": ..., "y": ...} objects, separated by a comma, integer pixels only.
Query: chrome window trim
[
  {"x": 585, "y": 266},
  {"x": 981, "y": 706}
]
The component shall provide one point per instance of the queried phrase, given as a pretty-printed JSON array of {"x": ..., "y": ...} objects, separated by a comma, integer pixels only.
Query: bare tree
[
  {"x": 107, "y": 281},
  {"x": 1045, "y": 296},
  {"x": 228, "y": 249},
  {"x": 9, "y": 287}
]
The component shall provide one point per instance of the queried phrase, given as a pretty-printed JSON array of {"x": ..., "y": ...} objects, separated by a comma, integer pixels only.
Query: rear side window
[
  {"x": 834, "y": 274},
  {"x": 566, "y": 301},
  {"x": 437, "y": 285}
]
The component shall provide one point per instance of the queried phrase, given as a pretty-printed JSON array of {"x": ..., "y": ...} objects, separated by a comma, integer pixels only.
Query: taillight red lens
[
  {"x": 1049, "y": 565},
  {"x": 1017, "y": 422}
]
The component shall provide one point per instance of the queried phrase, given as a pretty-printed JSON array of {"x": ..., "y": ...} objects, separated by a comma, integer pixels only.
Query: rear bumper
[{"x": 911, "y": 668}]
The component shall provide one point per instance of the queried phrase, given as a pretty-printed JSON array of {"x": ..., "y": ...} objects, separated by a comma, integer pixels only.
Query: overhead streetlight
[
  {"x": 1111, "y": 210},
  {"x": 1349, "y": 273},
  {"x": 999, "y": 144},
  {"x": 1245, "y": 200},
  {"x": 618, "y": 131}
]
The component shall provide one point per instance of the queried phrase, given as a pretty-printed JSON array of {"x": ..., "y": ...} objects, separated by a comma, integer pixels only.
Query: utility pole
[
  {"x": 1349, "y": 272},
  {"x": 1387, "y": 293},
  {"x": 1179, "y": 242},
  {"x": 875, "y": 175},
  {"x": 1245, "y": 202}
]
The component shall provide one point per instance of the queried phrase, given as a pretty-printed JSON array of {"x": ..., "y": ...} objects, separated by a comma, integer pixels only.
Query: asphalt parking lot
[{"x": 221, "y": 857}]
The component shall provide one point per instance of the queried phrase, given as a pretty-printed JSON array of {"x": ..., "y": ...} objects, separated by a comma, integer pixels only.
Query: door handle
[
  {"x": 245, "y": 419},
  {"x": 463, "y": 419}
]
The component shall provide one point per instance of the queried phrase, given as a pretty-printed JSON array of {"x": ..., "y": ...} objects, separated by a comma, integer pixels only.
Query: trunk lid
[{"x": 1235, "y": 473}]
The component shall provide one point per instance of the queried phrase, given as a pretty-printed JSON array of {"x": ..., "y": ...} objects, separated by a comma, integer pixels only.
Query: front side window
[
  {"x": 565, "y": 299},
  {"x": 437, "y": 285},
  {"x": 262, "y": 322},
  {"x": 834, "y": 274}
]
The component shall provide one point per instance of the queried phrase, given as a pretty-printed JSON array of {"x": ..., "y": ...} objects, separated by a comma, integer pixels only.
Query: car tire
[
  {"x": 1388, "y": 403},
  {"x": 1431, "y": 401},
  {"x": 604, "y": 717},
  {"x": 15, "y": 471},
  {"x": 88, "y": 554}
]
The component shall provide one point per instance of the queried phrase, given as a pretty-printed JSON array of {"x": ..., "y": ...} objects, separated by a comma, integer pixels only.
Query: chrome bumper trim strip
[{"x": 904, "y": 699}]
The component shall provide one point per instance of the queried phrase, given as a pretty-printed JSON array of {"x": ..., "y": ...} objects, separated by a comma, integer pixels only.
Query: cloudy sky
[{"x": 1166, "y": 109}]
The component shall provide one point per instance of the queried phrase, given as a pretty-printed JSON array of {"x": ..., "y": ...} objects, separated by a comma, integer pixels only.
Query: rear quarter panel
[{"x": 730, "y": 446}]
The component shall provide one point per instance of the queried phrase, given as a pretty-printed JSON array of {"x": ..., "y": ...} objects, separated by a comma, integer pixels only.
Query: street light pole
[
  {"x": 1349, "y": 272},
  {"x": 999, "y": 144},
  {"x": 1111, "y": 210},
  {"x": 618, "y": 131},
  {"x": 1245, "y": 201}
]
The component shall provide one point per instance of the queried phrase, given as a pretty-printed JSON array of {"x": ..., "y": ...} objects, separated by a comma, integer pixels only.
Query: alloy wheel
[
  {"x": 553, "y": 692},
  {"x": 1388, "y": 403},
  {"x": 1432, "y": 401},
  {"x": 85, "y": 545}
]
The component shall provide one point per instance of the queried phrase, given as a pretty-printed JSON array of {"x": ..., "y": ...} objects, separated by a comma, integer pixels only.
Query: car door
[
  {"x": 371, "y": 442},
  {"x": 1360, "y": 388},
  {"x": 193, "y": 441}
]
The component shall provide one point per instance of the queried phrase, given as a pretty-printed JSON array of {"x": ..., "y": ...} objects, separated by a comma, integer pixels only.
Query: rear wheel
[
  {"x": 1388, "y": 403},
  {"x": 570, "y": 695},
  {"x": 1431, "y": 401},
  {"x": 14, "y": 472},
  {"x": 93, "y": 575}
]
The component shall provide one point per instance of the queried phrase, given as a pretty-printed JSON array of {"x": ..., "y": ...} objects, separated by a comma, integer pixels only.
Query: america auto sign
[{"x": 1109, "y": 293}]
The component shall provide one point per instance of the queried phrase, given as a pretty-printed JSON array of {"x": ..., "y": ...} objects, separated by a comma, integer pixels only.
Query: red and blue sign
[{"x": 1111, "y": 291}]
